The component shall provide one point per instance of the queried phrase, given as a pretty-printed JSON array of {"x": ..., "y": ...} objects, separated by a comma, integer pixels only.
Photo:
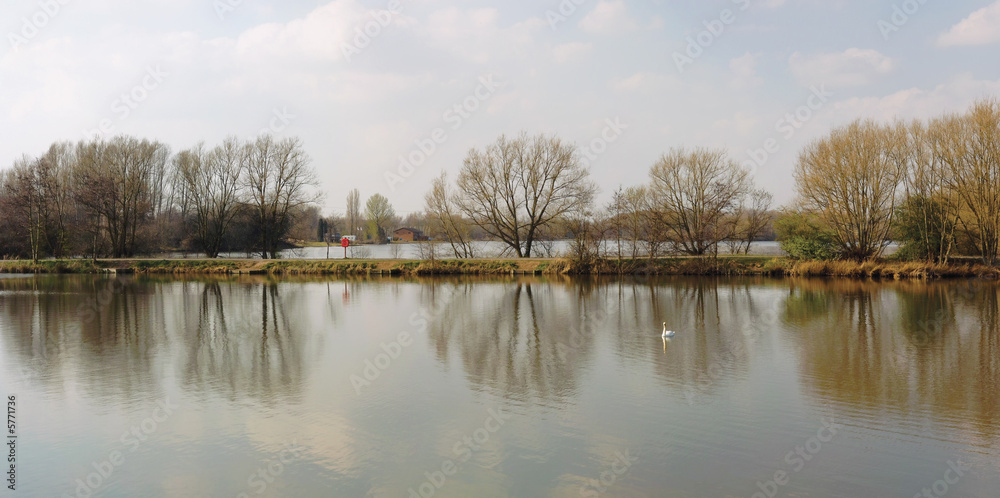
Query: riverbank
[{"x": 722, "y": 266}]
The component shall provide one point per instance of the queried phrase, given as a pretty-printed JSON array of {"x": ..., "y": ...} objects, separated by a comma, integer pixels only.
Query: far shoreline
[{"x": 774, "y": 266}]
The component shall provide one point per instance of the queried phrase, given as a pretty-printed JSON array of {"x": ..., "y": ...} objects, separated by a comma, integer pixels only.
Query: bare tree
[
  {"x": 25, "y": 202},
  {"x": 756, "y": 217},
  {"x": 692, "y": 193},
  {"x": 974, "y": 165},
  {"x": 278, "y": 182},
  {"x": 932, "y": 205},
  {"x": 446, "y": 220},
  {"x": 353, "y": 215},
  {"x": 212, "y": 181},
  {"x": 850, "y": 179},
  {"x": 115, "y": 181},
  {"x": 516, "y": 188}
]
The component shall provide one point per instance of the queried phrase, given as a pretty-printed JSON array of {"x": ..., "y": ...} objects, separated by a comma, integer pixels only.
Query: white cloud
[
  {"x": 982, "y": 27},
  {"x": 476, "y": 34},
  {"x": 321, "y": 34},
  {"x": 744, "y": 71},
  {"x": 852, "y": 67},
  {"x": 571, "y": 51},
  {"x": 609, "y": 17},
  {"x": 954, "y": 95}
]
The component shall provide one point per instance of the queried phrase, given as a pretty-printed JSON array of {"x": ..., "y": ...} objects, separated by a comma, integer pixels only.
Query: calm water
[
  {"x": 504, "y": 387},
  {"x": 558, "y": 248}
]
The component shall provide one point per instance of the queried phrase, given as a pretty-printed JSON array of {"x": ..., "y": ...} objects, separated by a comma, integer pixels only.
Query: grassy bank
[{"x": 723, "y": 266}]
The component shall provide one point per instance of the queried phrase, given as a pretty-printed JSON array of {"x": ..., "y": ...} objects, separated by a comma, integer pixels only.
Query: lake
[
  {"x": 520, "y": 387},
  {"x": 483, "y": 249}
]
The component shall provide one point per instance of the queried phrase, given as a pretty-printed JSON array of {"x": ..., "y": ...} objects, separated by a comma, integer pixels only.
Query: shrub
[{"x": 803, "y": 236}]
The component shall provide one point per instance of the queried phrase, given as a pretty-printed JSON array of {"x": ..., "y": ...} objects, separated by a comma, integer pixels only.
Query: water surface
[{"x": 501, "y": 387}]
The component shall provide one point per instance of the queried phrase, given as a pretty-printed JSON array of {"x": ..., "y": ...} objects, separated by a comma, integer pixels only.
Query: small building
[{"x": 409, "y": 235}]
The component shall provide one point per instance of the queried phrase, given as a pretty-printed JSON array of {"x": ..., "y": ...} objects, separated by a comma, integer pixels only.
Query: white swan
[{"x": 667, "y": 333}]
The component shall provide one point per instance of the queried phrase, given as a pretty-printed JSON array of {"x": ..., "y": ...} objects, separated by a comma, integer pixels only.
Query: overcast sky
[{"x": 623, "y": 79}]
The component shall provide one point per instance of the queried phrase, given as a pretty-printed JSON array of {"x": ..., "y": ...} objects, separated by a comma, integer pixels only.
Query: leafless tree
[
  {"x": 756, "y": 217},
  {"x": 212, "y": 181},
  {"x": 974, "y": 173},
  {"x": 693, "y": 192},
  {"x": 446, "y": 220},
  {"x": 115, "y": 180},
  {"x": 278, "y": 181},
  {"x": 516, "y": 188},
  {"x": 353, "y": 215},
  {"x": 850, "y": 178}
]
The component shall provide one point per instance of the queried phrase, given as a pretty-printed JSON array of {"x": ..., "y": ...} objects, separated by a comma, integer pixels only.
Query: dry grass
[
  {"x": 889, "y": 270},
  {"x": 723, "y": 266}
]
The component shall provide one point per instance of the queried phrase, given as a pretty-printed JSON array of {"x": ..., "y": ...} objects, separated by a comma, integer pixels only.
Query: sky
[{"x": 386, "y": 94}]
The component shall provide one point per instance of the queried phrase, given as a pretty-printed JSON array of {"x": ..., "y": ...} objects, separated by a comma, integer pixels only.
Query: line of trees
[
  {"x": 932, "y": 186},
  {"x": 526, "y": 189},
  {"x": 125, "y": 196}
]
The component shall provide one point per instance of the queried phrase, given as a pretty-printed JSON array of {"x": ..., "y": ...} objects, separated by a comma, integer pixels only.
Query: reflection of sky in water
[{"x": 256, "y": 365}]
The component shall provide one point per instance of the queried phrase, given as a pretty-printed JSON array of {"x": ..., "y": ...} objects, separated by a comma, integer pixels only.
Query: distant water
[
  {"x": 557, "y": 248},
  {"x": 457, "y": 387}
]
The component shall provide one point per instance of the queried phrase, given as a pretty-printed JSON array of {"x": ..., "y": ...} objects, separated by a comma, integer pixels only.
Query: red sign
[{"x": 345, "y": 243}]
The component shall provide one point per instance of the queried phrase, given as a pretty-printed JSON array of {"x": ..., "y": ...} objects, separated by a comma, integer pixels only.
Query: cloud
[
  {"x": 954, "y": 95},
  {"x": 744, "y": 71},
  {"x": 609, "y": 17},
  {"x": 321, "y": 34},
  {"x": 476, "y": 34},
  {"x": 571, "y": 51},
  {"x": 982, "y": 27},
  {"x": 852, "y": 67}
]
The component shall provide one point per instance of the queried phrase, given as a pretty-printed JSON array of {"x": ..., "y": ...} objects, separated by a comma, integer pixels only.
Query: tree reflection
[
  {"x": 908, "y": 346},
  {"x": 241, "y": 348}
]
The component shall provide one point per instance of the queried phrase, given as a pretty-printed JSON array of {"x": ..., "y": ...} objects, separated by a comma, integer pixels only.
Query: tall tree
[
  {"x": 115, "y": 181},
  {"x": 379, "y": 213},
  {"x": 446, "y": 220},
  {"x": 353, "y": 214},
  {"x": 212, "y": 182},
  {"x": 692, "y": 194},
  {"x": 850, "y": 178},
  {"x": 278, "y": 182},
  {"x": 517, "y": 188},
  {"x": 974, "y": 167}
]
